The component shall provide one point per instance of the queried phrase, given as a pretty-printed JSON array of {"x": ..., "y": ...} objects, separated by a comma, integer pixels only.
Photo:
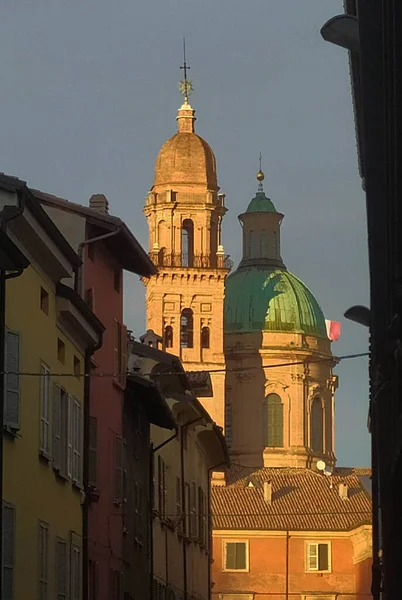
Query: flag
[{"x": 333, "y": 330}]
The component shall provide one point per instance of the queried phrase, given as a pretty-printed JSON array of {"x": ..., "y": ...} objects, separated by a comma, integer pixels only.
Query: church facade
[{"x": 287, "y": 522}]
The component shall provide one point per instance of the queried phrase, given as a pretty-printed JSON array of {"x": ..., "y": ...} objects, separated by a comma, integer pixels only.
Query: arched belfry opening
[
  {"x": 273, "y": 422},
  {"x": 187, "y": 243},
  {"x": 187, "y": 328}
]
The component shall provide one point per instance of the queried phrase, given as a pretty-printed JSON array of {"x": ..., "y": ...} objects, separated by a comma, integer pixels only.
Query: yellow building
[{"x": 49, "y": 330}]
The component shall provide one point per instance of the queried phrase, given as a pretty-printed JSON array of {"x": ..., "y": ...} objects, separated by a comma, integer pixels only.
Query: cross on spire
[{"x": 186, "y": 86}]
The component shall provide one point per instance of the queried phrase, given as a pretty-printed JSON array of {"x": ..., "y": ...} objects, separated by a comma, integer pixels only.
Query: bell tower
[{"x": 184, "y": 210}]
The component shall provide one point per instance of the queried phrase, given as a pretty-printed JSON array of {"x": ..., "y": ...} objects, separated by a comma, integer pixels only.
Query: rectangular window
[
  {"x": 77, "y": 442},
  {"x": 201, "y": 516},
  {"x": 118, "y": 469},
  {"x": 44, "y": 301},
  {"x": 8, "y": 562},
  {"x": 193, "y": 510},
  {"x": 43, "y": 560},
  {"x": 162, "y": 488},
  {"x": 69, "y": 435},
  {"x": 61, "y": 351},
  {"x": 93, "y": 580},
  {"x": 235, "y": 556},
  {"x": 93, "y": 452},
  {"x": 318, "y": 556},
  {"x": 75, "y": 573},
  {"x": 61, "y": 569},
  {"x": 12, "y": 381},
  {"x": 44, "y": 442},
  {"x": 178, "y": 504},
  {"x": 62, "y": 432}
]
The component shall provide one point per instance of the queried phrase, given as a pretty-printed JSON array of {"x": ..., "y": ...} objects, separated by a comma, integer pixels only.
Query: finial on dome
[
  {"x": 185, "y": 115},
  {"x": 260, "y": 176},
  {"x": 185, "y": 85}
]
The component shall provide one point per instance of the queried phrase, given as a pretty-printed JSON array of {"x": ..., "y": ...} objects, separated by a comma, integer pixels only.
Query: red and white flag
[{"x": 333, "y": 330}]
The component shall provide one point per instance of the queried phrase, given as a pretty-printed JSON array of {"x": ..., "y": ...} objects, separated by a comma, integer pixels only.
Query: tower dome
[{"x": 186, "y": 158}]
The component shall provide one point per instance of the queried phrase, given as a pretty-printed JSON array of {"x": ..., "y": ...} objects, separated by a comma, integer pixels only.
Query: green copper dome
[
  {"x": 261, "y": 204},
  {"x": 270, "y": 299}
]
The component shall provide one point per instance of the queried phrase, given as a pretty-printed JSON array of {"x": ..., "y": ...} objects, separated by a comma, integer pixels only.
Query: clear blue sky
[{"x": 89, "y": 94}]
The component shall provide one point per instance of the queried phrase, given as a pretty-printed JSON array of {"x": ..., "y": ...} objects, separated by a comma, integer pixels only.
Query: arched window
[
  {"x": 161, "y": 257},
  {"x": 187, "y": 243},
  {"x": 168, "y": 336},
  {"x": 317, "y": 426},
  {"x": 186, "y": 328},
  {"x": 205, "y": 337},
  {"x": 264, "y": 244},
  {"x": 273, "y": 421},
  {"x": 250, "y": 244}
]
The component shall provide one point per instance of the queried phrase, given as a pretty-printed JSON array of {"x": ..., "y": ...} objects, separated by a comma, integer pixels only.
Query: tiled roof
[{"x": 302, "y": 499}]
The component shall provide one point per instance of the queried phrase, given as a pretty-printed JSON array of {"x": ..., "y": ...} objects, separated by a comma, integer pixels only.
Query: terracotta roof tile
[{"x": 302, "y": 499}]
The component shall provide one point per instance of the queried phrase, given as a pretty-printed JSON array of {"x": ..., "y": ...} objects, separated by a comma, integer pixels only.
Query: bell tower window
[
  {"x": 187, "y": 243},
  {"x": 186, "y": 328},
  {"x": 273, "y": 422},
  {"x": 205, "y": 334},
  {"x": 250, "y": 244},
  {"x": 317, "y": 426},
  {"x": 168, "y": 336}
]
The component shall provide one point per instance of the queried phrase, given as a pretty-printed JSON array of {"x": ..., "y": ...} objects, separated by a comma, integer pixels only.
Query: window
[
  {"x": 318, "y": 556},
  {"x": 120, "y": 353},
  {"x": 44, "y": 442},
  {"x": 193, "y": 510},
  {"x": 187, "y": 508},
  {"x": 77, "y": 442},
  {"x": 178, "y": 504},
  {"x": 264, "y": 244},
  {"x": 8, "y": 551},
  {"x": 250, "y": 244},
  {"x": 117, "y": 280},
  {"x": 44, "y": 301},
  {"x": 93, "y": 578},
  {"x": 161, "y": 257},
  {"x": 89, "y": 297},
  {"x": 43, "y": 560},
  {"x": 118, "y": 469},
  {"x": 162, "y": 488},
  {"x": 93, "y": 451},
  {"x": 77, "y": 367},
  {"x": 75, "y": 573},
  {"x": 12, "y": 381},
  {"x": 273, "y": 422},
  {"x": 317, "y": 426},
  {"x": 202, "y": 517},
  {"x": 187, "y": 243},
  {"x": 61, "y": 569},
  {"x": 205, "y": 337},
  {"x": 235, "y": 556},
  {"x": 186, "y": 329},
  {"x": 168, "y": 336},
  {"x": 153, "y": 488},
  {"x": 63, "y": 432},
  {"x": 61, "y": 351}
]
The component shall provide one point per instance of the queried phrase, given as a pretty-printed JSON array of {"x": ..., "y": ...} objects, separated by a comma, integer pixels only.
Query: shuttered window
[
  {"x": 236, "y": 556},
  {"x": 43, "y": 560},
  {"x": 61, "y": 569},
  {"x": 162, "y": 488},
  {"x": 118, "y": 469},
  {"x": 44, "y": 442},
  {"x": 69, "y": 436},
  {"x": 62, "y": 432},
  {"x": 12, "y": 380},
  {"x": 75, "y": 573},
  {"x": 193, "y": 510},
  {"x": 93, "y": 451},
  {"x": 273, "y": 422},
  {"x": 318, "y": 556},
  {"x": 8, "y": 561},
  {"x": 77, "y": 442}
]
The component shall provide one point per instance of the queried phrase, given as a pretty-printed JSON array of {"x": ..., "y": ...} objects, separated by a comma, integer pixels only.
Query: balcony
[{"x": 191, "y": 261}]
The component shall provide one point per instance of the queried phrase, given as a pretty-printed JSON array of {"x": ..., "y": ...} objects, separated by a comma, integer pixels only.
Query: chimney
[
  {"x": 268, "y": 492},
  {"x": 100, "y": 203},
  {"x": 343, "y": 491}
]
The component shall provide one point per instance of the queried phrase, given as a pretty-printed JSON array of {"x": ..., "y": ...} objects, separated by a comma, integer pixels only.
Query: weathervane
[{"x": 185, "y": 86}]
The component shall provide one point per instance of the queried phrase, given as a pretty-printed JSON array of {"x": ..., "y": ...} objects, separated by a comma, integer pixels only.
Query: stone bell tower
[{"x": 184, "y": 210}]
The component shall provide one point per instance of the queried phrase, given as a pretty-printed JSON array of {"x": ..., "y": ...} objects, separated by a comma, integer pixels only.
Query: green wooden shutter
[
  {"x": 12, "y": 381},
  {"x": 273, "y": 422}
]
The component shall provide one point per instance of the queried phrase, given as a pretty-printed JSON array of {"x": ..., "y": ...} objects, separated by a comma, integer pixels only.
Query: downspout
[
  {"x": 3, "y": 277},
  {"x": 85, "y": 475},
  {"x": 151, "y": 519},
  {"x": 287, "y": 567},
  {"x": 100, "y": 238},
  {"x": 209, "y": 549}
]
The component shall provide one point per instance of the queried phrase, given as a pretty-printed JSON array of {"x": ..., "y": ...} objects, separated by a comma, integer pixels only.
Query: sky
[{"x": 89, "y": 93}]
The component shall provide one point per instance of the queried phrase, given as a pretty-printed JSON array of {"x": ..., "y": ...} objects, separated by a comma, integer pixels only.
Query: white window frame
[
  {"x": 70, "y": 433},
  {"x": 224, "y": 553},
  {"x": 45, "y": 388},
  {"x": 310, "y": 543},
  {"x": 43, "y": 560}
]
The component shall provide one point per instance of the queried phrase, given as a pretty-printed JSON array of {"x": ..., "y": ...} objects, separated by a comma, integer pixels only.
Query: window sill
[
  {"x": 235, "y": 570},
  {"x": 318, "y": 572}
]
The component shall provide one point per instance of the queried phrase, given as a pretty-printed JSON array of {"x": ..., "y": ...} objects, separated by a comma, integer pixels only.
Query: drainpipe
[
  {"x": 85, "y": 475},
  {"x": 5, "y": 218},
  {"x": 287, "y": 567},
  {"x": 209, "y": 524},
  {"x": 100, "y": 238},
  {"x": 151, "y": 520}
]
